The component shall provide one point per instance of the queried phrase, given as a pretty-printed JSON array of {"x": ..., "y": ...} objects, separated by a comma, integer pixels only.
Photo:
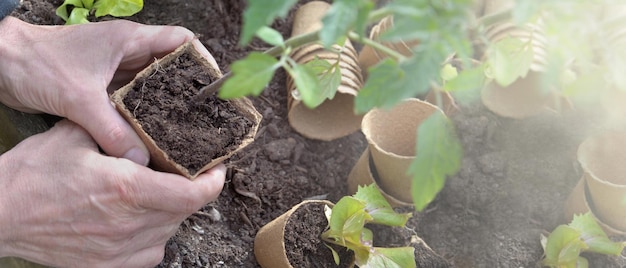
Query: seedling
[
  {"x": 346, "y": 228},
  {"x": 563, "y": 246},
  {"x": 77, "y": 11}
]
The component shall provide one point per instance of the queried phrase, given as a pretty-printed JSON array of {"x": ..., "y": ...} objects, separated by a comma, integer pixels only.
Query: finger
[
  {"x": 108, "y": 128},
  {"x": 177, "y": 194}
]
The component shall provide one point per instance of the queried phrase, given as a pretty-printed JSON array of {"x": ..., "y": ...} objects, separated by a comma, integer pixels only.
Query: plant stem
[
  {"x": 378, "y": 46},
  {"x": 296, "y": 41}
]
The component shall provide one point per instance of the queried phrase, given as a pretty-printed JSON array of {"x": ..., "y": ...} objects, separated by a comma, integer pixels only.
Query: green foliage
[
  {"x": 563, "y": 246},
  {"x": 439, "y": 155},
  {"x": 346, "y": 227},
  {"x": 77, "y": 11},
  {"x": 510, "y": 59},
  {"x": 250, "y": 76},
  {"x": 261, "y": 13}
]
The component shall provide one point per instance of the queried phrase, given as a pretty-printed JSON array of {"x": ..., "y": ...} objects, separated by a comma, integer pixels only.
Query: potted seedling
[
  {"x": 346, "y": 227},
  {"x": 78, "y": 11}
]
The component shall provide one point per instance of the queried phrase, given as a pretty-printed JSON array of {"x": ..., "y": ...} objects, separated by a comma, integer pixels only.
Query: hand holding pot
[
  {"x": 66, "y": 71},
  {"x": 65, "y": 204}
]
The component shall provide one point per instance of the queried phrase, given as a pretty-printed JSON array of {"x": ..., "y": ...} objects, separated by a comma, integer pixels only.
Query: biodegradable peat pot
[
  {"x": 578, "y": 202},
  {"x": 602, "y": 158},
  {"x": 364, "y": 173},
  {"x": 391, "y": 136},
  {"x": 294, "y": 239},
  {"x": 185, "y": 137},
  {"x": 370, "y": 56},
  {"x": 334, "y": 118}
]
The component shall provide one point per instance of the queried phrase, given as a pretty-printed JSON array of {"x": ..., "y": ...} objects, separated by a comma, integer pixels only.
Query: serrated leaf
[
  {"x": 329, "y": 77},
  {"x": 78, "y": 16},
  {"x": 347, "y": 222},
  {"x": 118, "y": 8},
  {"x": 593, "y": 235},
  {"x": 563, "y": 247},
  {"x": 250, "y": 76},
  {"x": 261, "y": 13},
  {"x": 510, "y": 59},
  {"x": 377, "y": 206},
  {"x": 62, "y": 12},
  {"x": 339, "y": 19},
  {"x": 307, "y": 85},
  {"x": 390, "y": 258},
  {"x": 270, "y": 36},
  {"x": 439, "y": 155}
]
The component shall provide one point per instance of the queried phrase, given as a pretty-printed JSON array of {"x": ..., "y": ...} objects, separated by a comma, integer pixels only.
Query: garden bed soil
[{"x": 515, "y": 174}]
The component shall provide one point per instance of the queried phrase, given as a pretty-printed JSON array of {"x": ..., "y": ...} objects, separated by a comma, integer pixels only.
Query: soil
[
  {"x": 302, "y": 238},
  {"x": 515, "y": 175},
  {"x": 191, "y": 133}
]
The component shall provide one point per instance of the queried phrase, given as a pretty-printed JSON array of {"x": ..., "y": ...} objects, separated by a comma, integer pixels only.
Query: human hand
[
  {"x": 66, "y": 71},
  {"x": 66, "y": 205}
]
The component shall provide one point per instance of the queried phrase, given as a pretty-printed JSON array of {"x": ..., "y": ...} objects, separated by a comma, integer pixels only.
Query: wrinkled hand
[
  {"x": 66, "y": 71},
  {"x": 64, "y": 204}
]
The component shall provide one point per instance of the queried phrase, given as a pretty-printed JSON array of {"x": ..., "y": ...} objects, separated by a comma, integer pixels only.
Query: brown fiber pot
[
  {"x": 269, "y": 243},
  {"x": 159, "y": 159}
]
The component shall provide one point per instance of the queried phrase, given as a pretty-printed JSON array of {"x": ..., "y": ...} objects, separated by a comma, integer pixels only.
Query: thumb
[{"x": 107, "y": 127}]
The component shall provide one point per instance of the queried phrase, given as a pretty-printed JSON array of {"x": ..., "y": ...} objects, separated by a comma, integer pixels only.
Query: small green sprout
[
  {"x": 77, "y": 11},
  {"x": 563, "y": 246},
  {"x": 346, "y": 227}
]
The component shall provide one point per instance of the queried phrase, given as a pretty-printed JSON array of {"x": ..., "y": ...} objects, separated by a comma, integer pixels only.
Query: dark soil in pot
[
  {"x": 516, "y": 174},
  {"x": 164, "y": 106},
  {"x": 302, "y": 239}
]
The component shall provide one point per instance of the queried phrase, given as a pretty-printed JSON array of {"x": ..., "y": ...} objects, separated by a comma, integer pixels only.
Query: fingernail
[{"x": 138, "y": 156}]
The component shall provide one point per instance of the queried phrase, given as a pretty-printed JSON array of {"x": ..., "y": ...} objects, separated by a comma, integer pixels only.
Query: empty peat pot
[
  {"x": 334, "y": 118},
  {"x": 392, "y": 135},
  {"x": 183, "y": 136}
]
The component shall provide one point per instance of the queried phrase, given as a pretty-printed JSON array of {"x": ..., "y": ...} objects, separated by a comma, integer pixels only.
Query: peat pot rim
[{"x": 616, "y": 138}]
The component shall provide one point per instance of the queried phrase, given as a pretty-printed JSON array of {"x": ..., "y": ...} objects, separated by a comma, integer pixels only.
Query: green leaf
[
  {"x": 563, "y": 247},
  {"x": 250, "y": 76},
  {"x": 347, "y": 222},
  {"x": 377, "y": 206},
  {"x": 448, "y": 72},
  {"x": 329, "y": 77},
  {"x": 307, "y": 84},
  {"x": 88, "y": 4},
  {"x": 118, "y": 8},
  {"x": 270, "y": 36},
  {"x": 62, "y": 11},
  {"x": 509, "y": 59},
  {"x": 343, "y": 16},
  {"x": 335, "y": 254},
  {"x": 593, "y": 235},
  {"x": 78, "y": 16},
  {"x": 439, "y": 155},
  {"x": 261, "y": 13},
  {"x": 390, "y": 258},
  {"x": 467, "y": 84}
]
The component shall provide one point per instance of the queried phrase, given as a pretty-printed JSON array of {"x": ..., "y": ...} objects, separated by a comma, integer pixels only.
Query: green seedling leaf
[
  {"x": 307, "y": 85},
  {"x": 347, "y": 222},
  {"x": 335, "y": 254},
  {"x": 377, "y": 206},
  {"x": 62, "y": 11},
  {"x": 563, "y": 247},
  {"x": 118, "y": 8},
  {"x": 448, "y": 72},
  {"x": 329, "y": 77},
  {"x": 390, "y": 258},
  {"x": 271, "y": 36},
  {"x": 593, "y": 235},
  {"x": 466, "y": 86},
  {"x": 343, "y": 16},
  {"x": 78, "y": 16},
  {"x": 439, "y": 155},
  {"x": 250, "y": 76},
  {"x": 261, "y": 13},
  {"x": 509, "y": 59}
]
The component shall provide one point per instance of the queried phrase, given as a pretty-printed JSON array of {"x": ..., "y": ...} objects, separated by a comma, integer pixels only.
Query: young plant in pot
[{"x": 346, "y": 227}]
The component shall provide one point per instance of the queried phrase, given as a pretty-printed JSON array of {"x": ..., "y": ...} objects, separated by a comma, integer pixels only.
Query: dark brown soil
[
  {"x": 191, "y": 133},
  {"x": 516, "y": 174},
  {"x": 302, "y": 238}
]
